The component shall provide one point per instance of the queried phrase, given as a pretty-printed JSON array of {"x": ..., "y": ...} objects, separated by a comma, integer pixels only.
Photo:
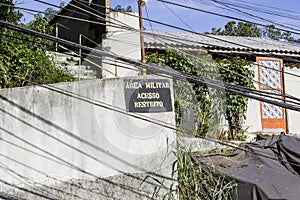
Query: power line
[
  {"x": 23, "y": 179},
  {"x": 44, "y": 156},
  {"x": 97, "y": 103},
  {"x": 174, "y": 13},
  {"x": 70, "y": 164},
  {"x": 101, "y": 104},
  {"x": 273, "y": 94},
  {"x": 28, "y": 124},
  {"x": 51, "y": 48},
  {"x": 61, "y": 8},
  {"x": 285, "y": 95},
  {"x": 225, "y": 16},
  {"x": 26, "y": 190},
  {"x": 210, "y": 83},
  {"x": 61, "y": 16},
  {"x": 176, "y": 40},
  {"x": 150, "y": 20},
  {"x": 148, "y": 17},
  {"x": 262, "y": 8},
  {"x": 200, "y": 80},
  {"x": 255, "y": 16},
  {"x": 130, "y": 28},
  {"x": 110, "y": 107},
  {"x": 236, "y": 5}
]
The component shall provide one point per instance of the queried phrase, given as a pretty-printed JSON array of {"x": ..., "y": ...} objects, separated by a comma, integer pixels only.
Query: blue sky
[{"x": 199, "y": 21}]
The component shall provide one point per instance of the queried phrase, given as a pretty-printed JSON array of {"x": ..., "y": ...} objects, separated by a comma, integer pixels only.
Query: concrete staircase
[{"x": 70, "y": 64}]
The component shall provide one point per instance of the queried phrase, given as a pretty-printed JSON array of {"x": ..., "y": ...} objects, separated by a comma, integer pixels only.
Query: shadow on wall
[{"x": 52, "y": 161}]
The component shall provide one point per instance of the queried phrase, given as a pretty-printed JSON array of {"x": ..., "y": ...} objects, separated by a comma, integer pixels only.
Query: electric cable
[
  {"x": 177, "y": 74},
  {"x": 63, "y": 16},
  {"x": 51, "y": 48},
  {"x": 129, "y": 14},
  {"x": 284, "y": 13},
  {"x": 148, "y": 18},
  {"x": 208, "y": 82},
  {"x": 174, "y": 13},
  {"x": 255, "y": 97},
  {"x": 249, "y": 78},
  {"x": 257, "y": 17},
  {"x": 39, "y": 190},
  {"x": 225, "y": 16},
  {"x": 43, "y": 156},
  {"x": 230, "y": 6},
  {"x": 26, "y": 190},
  {"x": 52, "y": 14},
  {"x": 165, "y": 4},
  {"x": 154, "y": 21},
  {"x": 113, "y": 108},
  {"x": 177, "y": 28},
  {"x": 28, "y": 124},
  {"x": 62, "y": 8},
  {"x": 70, "y": 164}
]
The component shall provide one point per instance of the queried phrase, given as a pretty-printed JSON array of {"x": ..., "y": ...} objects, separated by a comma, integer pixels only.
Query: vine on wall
[
  {"x": 191, "y": 98},
  {"x": 202, "y": 100},
  {"x": 237, "y": 72}
]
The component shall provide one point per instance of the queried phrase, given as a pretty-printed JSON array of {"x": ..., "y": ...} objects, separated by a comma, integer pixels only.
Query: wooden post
[
  {"x": 56, "y": 35},
  {"x": 107, "y": 3},
  {"x": 79, "y": 64},
  {"x": 143, "y": 59}
]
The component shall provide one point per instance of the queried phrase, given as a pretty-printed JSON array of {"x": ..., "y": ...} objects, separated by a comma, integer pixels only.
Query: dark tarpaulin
[{"x": 257, "y": 175}]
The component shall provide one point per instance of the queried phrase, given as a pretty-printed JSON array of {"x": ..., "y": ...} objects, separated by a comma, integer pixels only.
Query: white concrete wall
[
  {"x": 292, "y": 87},
  {"x": 121, "y": 42},
  {"x": 253, "y": 120},
  {"x": 46, "y": 135}
]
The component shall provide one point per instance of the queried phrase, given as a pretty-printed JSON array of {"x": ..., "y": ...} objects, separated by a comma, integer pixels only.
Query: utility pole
[
  {"x": 56, "y": 35},
  {"x": 80, "y": 56},
  {"x": 142, "y": 3}
]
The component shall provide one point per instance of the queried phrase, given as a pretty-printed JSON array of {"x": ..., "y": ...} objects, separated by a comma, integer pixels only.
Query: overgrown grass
[{"x": 197, "y": 181}]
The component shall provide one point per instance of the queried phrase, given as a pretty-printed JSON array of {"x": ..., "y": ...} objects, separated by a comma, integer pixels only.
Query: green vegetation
[
  {"x": 208, "y": 104},
  {"x": 237, "y": 72},
  {"x": 23, "y": 58},
  {"x": 188, "y": 95},
  {"x": 246, "y": 29},
  {"x": 119, "y": 8},
  {"x": 237, "y": 29},
  {"x": 196, "y": 180},
  {"x": 272, "y": 32}
]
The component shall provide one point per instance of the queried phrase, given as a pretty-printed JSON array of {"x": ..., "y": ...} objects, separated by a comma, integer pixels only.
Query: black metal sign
[{"x": 147, "y": 95}]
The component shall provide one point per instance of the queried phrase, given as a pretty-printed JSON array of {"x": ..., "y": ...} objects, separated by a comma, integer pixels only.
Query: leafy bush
[
  {"x": 23, "y": 58},
  {"x": 237, "y": 72}
]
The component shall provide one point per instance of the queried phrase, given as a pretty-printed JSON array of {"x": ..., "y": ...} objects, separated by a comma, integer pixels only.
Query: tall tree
[
  {"x": 273, "y": 33},
  {"x": 251, "y": 30},
  {"x": 7, "y": 13},
  {"x": 238, "y": 29}
]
